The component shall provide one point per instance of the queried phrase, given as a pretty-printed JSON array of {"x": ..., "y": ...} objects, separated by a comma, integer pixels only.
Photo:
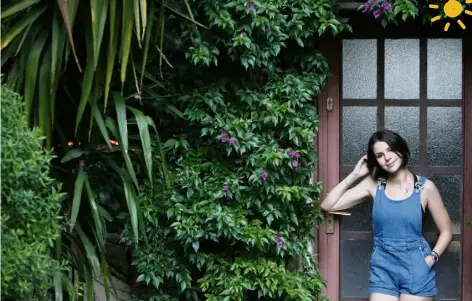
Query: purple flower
[
  {"x": 224, "y": 136},
  {"x": 265, "y": 175},
  {"x": 280, "y": 243},
  {"x": 228, "y": 196},
  {"x": 376, "y": 13},
  {"x": 387, "y": 6},
  {"x": 366, "y": 6},
  {"x": 233, "y": 141},
  {"x": 251, "y": 5},
  {"x": 295, "y": 163},
  {"x": 294, "y": 154},
  {"x": 225, "y": 187},
  {"x": 277, "y": 150}
]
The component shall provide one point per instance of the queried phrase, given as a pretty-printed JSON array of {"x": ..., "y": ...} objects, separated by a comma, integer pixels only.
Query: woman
[{"x": 402, "y": 263}]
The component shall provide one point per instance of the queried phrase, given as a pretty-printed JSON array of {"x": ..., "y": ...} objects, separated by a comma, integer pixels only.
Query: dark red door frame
[
  {"x": 467, "y": 198},
  {"x": 328, "y": 148},
  {"x": 328, "y": 169}
]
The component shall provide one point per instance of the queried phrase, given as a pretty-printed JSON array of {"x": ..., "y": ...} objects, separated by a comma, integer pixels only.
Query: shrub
[
  {"x": 31, "y": 202},
  {"x": 231, "y": 216}
]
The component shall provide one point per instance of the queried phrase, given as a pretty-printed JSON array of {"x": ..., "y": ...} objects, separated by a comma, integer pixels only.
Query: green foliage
[
  {"x": 392, "y": 11},
  {"x": 233, "y": 217},
  {"x": 31, "y": 202}
]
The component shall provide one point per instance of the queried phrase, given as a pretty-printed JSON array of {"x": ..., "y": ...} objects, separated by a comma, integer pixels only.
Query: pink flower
[
  {"x": 225, "y": 187},
  {"x": 224, "y": 136},
  {"x": 376, "y": 13},
  {"x": 251, "y": 5},
  {"x": 387, "y": 6},
  {"x": 233, "y": 141},
  {"x": 265, "y": 175},
  {"x": 294, "y": 154},
  {"x": 366, "y": 6},
  {"x": 280, "y": 243}
]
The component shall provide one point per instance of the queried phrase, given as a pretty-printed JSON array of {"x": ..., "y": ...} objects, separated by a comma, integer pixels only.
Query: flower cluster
[
  {"x": 278, "y": 240},
  {"x": 227, "y": 193},
  {"x": 376, "y": 7},
  {"x": 265, "y": 175},
  {"x": 296, "y": 156},
  {"x": 224, "y": 139}
]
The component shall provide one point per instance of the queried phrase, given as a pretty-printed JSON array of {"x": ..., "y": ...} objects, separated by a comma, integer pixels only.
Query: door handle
[{"x": 329, "y": 223}]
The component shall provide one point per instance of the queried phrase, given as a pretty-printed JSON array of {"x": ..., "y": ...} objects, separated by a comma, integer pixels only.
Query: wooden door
[{"x": 421, "y": 87}]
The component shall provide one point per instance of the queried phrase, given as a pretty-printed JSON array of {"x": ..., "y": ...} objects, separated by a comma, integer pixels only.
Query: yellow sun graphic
[{"x": 452, "y": 9}]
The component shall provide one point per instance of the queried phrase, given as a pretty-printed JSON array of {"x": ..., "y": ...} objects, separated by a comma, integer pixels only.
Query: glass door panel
[{"x": 414, "y": 87}]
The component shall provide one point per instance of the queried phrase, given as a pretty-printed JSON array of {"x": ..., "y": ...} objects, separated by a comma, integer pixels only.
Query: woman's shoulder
[{"x": 370, "y": 184}]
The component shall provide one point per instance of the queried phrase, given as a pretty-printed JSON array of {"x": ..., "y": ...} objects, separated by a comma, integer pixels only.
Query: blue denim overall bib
[{"x": 398, "y": 263}]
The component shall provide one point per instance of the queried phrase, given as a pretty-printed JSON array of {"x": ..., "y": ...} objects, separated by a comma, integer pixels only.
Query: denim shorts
[{"x": 399, "y": 267}]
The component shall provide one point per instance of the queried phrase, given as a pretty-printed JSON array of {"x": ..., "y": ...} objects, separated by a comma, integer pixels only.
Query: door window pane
[
  {"x": 361, "y": 215},
  {"x": 444, "y": 74},
  {"x": 358, "y": 124},
  {"x": 359, "y": 69},
  {"x": 450, "y": 188},
  {"x": 406, "y": 122},
  {"x": 444, "y": 136},
  {"x": 448, "y": 272},
  {"x": 355, "y": 266},
  {"x": 402, "y": 69}
]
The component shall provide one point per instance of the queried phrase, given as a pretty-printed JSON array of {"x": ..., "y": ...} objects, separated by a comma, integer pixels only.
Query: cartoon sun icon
[{"x": 452, "y": 9}]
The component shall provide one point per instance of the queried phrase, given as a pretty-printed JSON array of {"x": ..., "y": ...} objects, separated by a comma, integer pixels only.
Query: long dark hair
[{"x": 397, "y": 144}]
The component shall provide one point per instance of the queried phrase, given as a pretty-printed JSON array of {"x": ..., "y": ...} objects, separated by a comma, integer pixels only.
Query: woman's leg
[
  {"x": 382, "y": 297},
  {"x": 404, "y": 297}
]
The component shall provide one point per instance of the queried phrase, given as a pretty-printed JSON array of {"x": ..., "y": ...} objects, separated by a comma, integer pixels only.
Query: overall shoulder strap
[
  {"x": 419, "y": 183},
  {"x": 381, "y": 183}
]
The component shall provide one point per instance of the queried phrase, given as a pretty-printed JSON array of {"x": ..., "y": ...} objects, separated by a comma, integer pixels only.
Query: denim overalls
[{"x": 398, "y": 263}]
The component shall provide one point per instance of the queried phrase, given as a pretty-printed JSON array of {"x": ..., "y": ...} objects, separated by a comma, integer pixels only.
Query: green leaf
[
  {"x": 147, "y": 40},
  {"x": 79, "y": 185},
  {"x": 44, "y": 104},
  {"x": 111, "y": 124},
  {"x": 145, "y": 139},
  {"x": 121, "y": 116},
  {"x": 87, "y": 80},
  {"x": 130, "y": 196},
  {"x": 58, "y": 286},
  {"x": 137, "y": 20},
  {"x": 72, "y": 154},
  {"x": 89, "y": 250},
  {"x": 68, "y": 15},
  {"x": 143, "y": 7},
  {"x": 32, "y": 71},
  {"x": 99, "y": 11},
  {"x": 17, "y": 7},
  {"x": 58, "y": 42},
  {"x": 112, "y": 46},
  {"x": 97, "y": 218},
  {"x": 27, "y": 20},
  {"x": 126, "y": 31}
]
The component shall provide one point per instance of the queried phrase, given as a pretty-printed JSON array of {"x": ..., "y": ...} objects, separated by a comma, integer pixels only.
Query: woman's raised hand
[{"x": 361, "y": 169}]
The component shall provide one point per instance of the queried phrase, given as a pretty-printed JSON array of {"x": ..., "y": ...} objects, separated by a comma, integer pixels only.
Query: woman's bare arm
[
  {"x": 340, "y": 197},
  {"x": 440, "y": 216}
]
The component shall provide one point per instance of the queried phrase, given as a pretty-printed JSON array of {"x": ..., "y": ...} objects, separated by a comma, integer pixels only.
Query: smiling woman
[{"x": 402, "y": 262}]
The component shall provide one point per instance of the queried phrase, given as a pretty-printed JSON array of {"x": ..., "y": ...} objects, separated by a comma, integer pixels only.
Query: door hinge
[
  {"x": 329, "y": 223},
  {"x": 329, "y": 104}
]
